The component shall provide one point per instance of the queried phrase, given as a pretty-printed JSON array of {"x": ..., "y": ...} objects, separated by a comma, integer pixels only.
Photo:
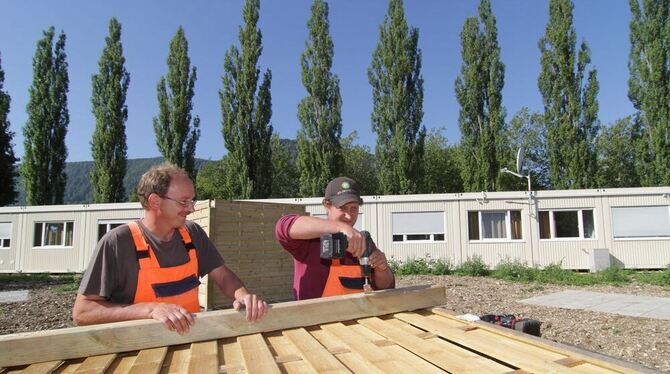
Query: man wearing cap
[{"x": 314, "y": 277}]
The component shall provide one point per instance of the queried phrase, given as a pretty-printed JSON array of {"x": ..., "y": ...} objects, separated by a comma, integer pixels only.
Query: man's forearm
[
  {"x": 384, "y": 279},
  {"x": 306, "y": 227},
  {"x": 229, "y": 283},
  {"x": 88, "y": 311}
]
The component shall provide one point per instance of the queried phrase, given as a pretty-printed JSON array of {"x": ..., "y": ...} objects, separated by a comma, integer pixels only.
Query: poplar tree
[
  {"x": 526, "y": 130},
  {"x": 246, "y": 110},
  {"x": 108, "y": 146},
  {"x": 616, "y": 155},
  {"x": 176, "y": 136},
  {"x": 360, "y": 165},
  {"x": 479, "y": 92},
  {"x": 569, "y": 94},
  {"x": 319, "y": 149},
  {"x": 441, "y": 165},
  {"x": 649, "y": 87},
  {"x": 8, "y": 174},
  {"x": 286, "y": 182},
  {"x": 43, "y": 166},
  {"x": 397, "y": 96}
]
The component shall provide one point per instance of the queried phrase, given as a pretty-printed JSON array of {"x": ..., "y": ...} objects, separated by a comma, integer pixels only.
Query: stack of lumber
[
  {"x": 243, "y": 232},
  {"x": 392, "y": 331}
]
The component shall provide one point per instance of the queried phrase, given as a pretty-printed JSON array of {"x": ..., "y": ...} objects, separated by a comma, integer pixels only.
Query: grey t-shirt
[{"x": 112, "y": 272}]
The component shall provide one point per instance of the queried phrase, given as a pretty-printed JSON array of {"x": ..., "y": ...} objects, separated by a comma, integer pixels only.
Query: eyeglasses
[{"x": 184, "y": 203}]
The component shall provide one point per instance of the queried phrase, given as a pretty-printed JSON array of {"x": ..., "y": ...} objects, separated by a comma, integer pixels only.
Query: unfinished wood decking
[{"x": 394, "y": 331}]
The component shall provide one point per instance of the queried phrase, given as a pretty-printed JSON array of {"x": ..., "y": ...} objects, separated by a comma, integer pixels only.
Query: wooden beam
[{"x": 75, "y": 342}]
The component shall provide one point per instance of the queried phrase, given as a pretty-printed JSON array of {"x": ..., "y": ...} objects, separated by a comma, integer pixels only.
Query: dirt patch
[{"x": 639, "y": 340}]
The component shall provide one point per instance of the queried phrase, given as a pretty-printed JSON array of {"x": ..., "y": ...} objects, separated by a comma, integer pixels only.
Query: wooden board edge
[
  {"x": 76, "y": 342},
  {"x": 595, "y": 358}
]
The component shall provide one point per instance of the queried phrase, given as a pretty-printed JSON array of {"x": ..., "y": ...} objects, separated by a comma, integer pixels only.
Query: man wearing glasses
[{"x": 151, "y": 268}]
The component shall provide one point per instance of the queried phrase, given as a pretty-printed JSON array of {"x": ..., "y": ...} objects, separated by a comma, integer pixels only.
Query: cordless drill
[{"x": 334, "y": 246}]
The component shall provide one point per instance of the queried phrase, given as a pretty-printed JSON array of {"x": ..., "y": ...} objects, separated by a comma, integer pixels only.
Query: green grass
[
  {"x": 474, "y": 266},
  {"x": 24, "y": 278},
  {"x": 41, "y": 278},
  {"x": 515, "y": 270},
  {"x": 67, "y": 287},
  {"x": 422, "y": 266},
  {"x": 658, "y": 278},
  {"x": 518, "y": 271}
]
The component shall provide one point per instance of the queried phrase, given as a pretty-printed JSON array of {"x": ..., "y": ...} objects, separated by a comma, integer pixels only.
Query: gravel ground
[{"x": 639, "y": 340}]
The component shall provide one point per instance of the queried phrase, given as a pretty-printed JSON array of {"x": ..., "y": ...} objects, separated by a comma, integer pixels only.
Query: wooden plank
[
  {"x": 518, "y": 354},
  {"x": 286, "y": 355},
  {"x": 149, "y": 361},
  {"x": 96, "y": 364},
  {"x": 352, "y": 360},
  {"x": 370, "y": 352},
  {"x": 256, "y": 354},
  {"x": 28, "y": 348},
  {"x": 69, "y": 366},
  {"x": 230, "y": 356},
  {"x": 204, "y": 357},
  {"x": 176, "y": 359},
  {"x": 398, "y": 353},
  {"x": 601, "y": 360},
  {"x": 121, "y": 365},
  {"x": 313, "y": 352},
  {"x": 449, "y": 358},
  {"x": 44, "y": 367}
]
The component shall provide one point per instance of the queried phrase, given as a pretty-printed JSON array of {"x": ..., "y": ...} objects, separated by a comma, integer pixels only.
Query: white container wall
[{"x": 552, "y": 227}]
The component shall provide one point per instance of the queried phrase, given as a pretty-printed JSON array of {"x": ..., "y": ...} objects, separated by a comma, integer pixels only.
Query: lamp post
[
  {"x": 519, "y": 170},
  {"x": 530, "y": 191}
]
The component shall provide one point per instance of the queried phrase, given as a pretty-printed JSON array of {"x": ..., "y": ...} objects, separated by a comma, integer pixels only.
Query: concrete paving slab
[
  {"x": 623, "y": 304},
  {"x": 14, "y": 296},
  {"x": 658, "y": 313}
]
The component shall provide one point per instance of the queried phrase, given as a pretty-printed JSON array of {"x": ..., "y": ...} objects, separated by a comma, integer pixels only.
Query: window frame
[
  {"x": 109, "y": 222},
  {"x": 7, "y": 239},
  {"x": 508, "y": 226},
  {"x": 64, "y": 233},
  {"x": 636, "y": 238},
  {"x": 432, "y": 236},
  {"x": 580, "y": 224}
]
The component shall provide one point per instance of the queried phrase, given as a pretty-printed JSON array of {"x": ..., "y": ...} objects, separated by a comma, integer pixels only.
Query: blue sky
[{"x": 212, "y": 27}]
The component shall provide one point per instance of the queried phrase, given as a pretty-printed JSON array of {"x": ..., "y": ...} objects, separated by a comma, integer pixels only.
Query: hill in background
[{"x": 78, "y": 188}]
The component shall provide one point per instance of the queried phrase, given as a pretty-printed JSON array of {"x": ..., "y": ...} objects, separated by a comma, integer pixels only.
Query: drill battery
[{"x": 333, "y": 246}]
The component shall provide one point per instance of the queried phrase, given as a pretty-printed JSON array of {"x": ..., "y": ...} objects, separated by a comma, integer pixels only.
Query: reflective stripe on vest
[
  {"x": 343, "y": 279},
  {"x": 174, "y": 284}
]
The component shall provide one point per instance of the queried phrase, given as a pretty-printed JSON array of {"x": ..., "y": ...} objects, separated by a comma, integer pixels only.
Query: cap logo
[{"x": 345, "y": 185}]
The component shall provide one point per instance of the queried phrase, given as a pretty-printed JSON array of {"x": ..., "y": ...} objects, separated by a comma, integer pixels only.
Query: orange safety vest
[
  {"x": 343, "y": 279},
  {"x": 174, "y": 284}
]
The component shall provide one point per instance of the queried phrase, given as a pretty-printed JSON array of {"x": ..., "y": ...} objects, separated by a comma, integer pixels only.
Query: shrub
[
  {"x": 413, "y": 266},
  {"x": 554, "y": 273},
  {"x": 442, "y": 267},
  {"x": 515, "y": 270},
  {"x": 614, "y": 274},
  {"x": 421, "y": 266},
  {"x": 659, "y": 278},
  {"x": 474, "y": 266}
]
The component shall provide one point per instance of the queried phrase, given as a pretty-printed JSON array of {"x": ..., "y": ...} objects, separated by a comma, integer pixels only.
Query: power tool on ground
[{"x": 334, "y": 246}]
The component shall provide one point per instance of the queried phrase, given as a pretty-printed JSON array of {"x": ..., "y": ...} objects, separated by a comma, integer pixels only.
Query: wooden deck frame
[{"x": 75, "y": 342}]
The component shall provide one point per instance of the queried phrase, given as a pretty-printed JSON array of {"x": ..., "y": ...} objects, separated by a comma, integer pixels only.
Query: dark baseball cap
[{"x": 343, "y": 190}]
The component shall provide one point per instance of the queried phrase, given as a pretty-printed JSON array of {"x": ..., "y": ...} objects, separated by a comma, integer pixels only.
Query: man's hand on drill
[
  {"x": 378, "y": 261},
  {"x": 356, "y": 241}
]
